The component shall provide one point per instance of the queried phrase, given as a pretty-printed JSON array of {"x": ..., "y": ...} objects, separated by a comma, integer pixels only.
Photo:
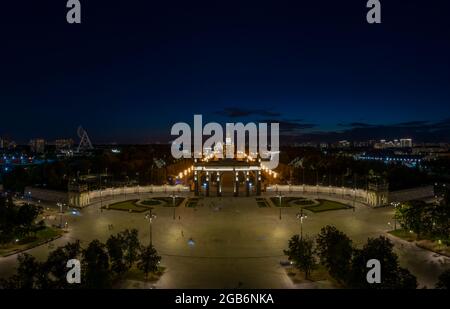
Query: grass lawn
[
  {"x": 31, "y": 241},
  {"x": 428, "y": 244},
  {"x": 192, "y": 202},
  {"x": 404, "y": 234},
  {"x": 304, "y": 202},
  {"x": 319, "y": 273},
  {"x": 285, "y": 200},
  {"x": 168, "y": 201},
  {"x": 261, "y": 202},
  {"x": 129, "y": 205},
  {"x": 151, "y": 202},
  {"x": 326, "y": 205}
]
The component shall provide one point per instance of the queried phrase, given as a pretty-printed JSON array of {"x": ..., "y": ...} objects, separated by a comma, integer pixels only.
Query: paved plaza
[{"x": 230, "y": 242}]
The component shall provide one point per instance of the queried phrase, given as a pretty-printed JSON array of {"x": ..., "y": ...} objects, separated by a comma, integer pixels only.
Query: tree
[
  {"x": 392, "y": 276},
  {"x": 444, "y": 280},
  {"x": 18, "y": 221},
  {"x": 56, "y": 264},
  {"x": 8, "y": 215},
  {"x": 27, "y": 274},
  {"x": 115, "y": 245},
  {"x": 96, "y": 266},
  {"x": 411, "y": 216},
  {"x": 405, "y": 280},
  {"x": 335, "y": 251},
  {"x": 301, "y": 253},
  {"x": 148, "y": 260},
  {"x": 131, "y": 245}
]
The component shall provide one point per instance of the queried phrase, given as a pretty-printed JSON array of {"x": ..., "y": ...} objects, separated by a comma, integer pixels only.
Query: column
[
  {"x": 207, "y": 183},
  {"x": 219, "y": 188},
  {"x": 247, "y": 184},
  {"x": 196, "y": 189},
  {"x": 258, "y": 183},
  {"x": 236, "y": 184}
]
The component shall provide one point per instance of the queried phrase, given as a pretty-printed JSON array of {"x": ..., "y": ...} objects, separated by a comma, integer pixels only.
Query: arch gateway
[{"x": 207, "y": 173}]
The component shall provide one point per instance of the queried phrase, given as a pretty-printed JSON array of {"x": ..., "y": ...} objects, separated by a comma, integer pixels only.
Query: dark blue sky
[{"x": 133, "y": 68}]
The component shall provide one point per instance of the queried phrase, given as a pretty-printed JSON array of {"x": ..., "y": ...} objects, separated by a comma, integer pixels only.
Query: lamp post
[
  {"x": 395, "y": 204},
  {"x": 125, "y": 187},
  {"x": 301, "y": 216},
  {"x": 280, "y": 197},
  {"x": 150, "y": 216},
  {"x": 60, "y": 205},
  {"x": 137, "y": 178},
  {"x": 303, "y": 168},
  {"x": 173, "y": 196}
]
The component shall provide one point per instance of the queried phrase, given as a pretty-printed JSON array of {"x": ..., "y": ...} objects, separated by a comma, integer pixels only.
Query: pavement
[{"x": 230, "y": 242}]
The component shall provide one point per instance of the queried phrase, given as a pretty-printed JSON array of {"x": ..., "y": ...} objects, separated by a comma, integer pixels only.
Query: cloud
[
  {"x": 234, "y": 112},
  {"x": 422, "y": 131},
  {"x": 413, "y": 123},
  {"x": 289, "y": 127},
  {"x": 356, "y": 125}
]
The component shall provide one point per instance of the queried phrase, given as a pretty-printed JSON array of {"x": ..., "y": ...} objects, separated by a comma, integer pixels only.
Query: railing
[
  {"x": 137, "y": 190},
  {"x": 329, "y": 190}
]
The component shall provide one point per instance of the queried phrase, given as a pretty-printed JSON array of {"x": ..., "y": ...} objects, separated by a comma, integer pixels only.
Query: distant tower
[{"x": 85, "y": 142}]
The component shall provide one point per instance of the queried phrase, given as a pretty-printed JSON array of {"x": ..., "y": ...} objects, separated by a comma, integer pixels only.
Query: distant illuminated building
[
  {"x": 344, "y": 144},
  {"x": 218, "y": 150},
  {"x": 64, "y": 144},
  {"x": 406, "y": 143},
  {"x": 402, "y": 143},
  {"x": 5, "y": 143},
  {"x": 37, "y": 145}
]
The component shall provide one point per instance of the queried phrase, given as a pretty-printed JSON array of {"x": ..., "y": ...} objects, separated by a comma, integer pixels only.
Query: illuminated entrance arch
[{"x": 212, "y": 171}]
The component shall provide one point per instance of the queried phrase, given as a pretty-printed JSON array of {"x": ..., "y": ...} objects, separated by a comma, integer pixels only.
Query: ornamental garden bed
[
  {"x": 168, "y": 201},
  {"x": 129, "y": 206},
  {"x": 261, "y": 202},
  {"x": 289, "y": 201},
  {"x": 192, "y": 202},
  {"x": 327, "y": 205},
  {"x": 150, "y": 202}
]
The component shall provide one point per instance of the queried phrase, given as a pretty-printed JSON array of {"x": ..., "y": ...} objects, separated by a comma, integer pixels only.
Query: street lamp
[
  {"x": 173, "y": 196},
  {"x": 395, "y": 204},
  {"x": 150, "y": 216},
  {"x": 60, "y": 205},
  {"x": 280, "y": 197},
  {"x": 301, "y": 216},
  {"x": 101, "y": 200}
]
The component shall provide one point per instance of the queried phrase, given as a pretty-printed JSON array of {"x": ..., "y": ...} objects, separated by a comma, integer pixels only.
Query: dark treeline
[
  {"x": 18, "y": 222},
  {"x": 137, "y": 164},
  {"x": 336, "y": 169},
  {"x": 103, "y": 265},
  {"x": 152, "y": 164}
]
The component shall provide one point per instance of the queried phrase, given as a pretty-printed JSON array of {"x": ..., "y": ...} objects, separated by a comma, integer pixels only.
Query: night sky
[{"x": 133, "y": 68}]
